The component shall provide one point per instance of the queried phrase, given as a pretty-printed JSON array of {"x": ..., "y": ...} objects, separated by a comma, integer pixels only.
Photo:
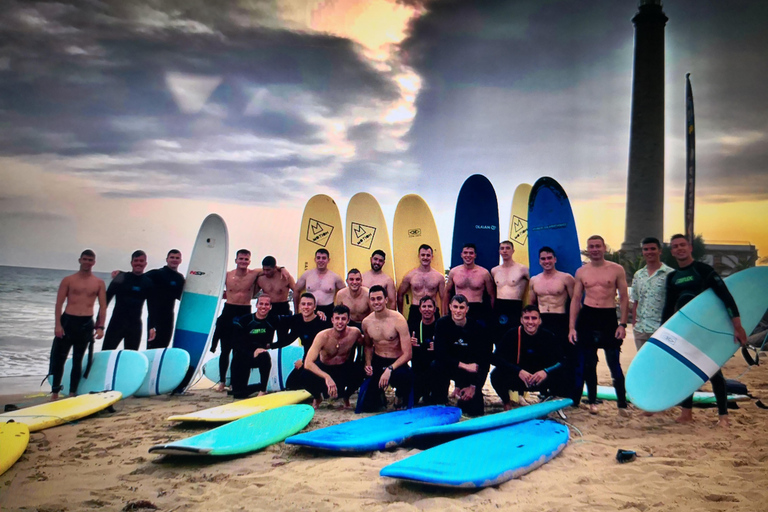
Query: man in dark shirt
[
  {"x": 168, "y": 285},
  {"x": 528, "y": 358},
  {"x": 422, "y": 328},
  {"x": 305, "y": 325},
  {"x": 692, "y": 278},
  {"x": 462, "y": 354},
  {"x": 253, "y": 337},
  {"x": 130, "y": 290}
]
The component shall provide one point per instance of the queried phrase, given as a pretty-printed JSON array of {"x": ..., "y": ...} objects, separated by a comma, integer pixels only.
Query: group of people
[{"x": 356, "y": 338}]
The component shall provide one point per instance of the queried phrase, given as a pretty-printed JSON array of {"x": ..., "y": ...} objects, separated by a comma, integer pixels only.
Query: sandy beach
[{"x": 102, "y": 463}]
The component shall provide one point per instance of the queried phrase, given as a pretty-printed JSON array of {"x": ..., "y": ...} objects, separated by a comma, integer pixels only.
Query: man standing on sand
[
  {"x": 377, "y": 276},
  {"x": 276, "y": 284},
  {"x": 130, "y": 290},
  {"x": 74, "y": 327},
  {"x": 471, "y": 281},
  {"x": 422, "y": 281},
  {"x": 335, "y": 374},
  {"x": 511, "y": 281},
  {"x": 691, "y": 279},
  {"x": 320, "y": 282},
  {"x": 355, "y": 297},
  {"x": 594, "y": 325},
  {"x": 649, "y": 292},
  {"x": 387, "y": 352},
  {"x": 422, "y": 328}
]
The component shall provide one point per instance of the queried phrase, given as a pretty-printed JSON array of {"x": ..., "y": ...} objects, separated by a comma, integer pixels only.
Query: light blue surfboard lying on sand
[
  {"x": 376, "y": 432},
  {"x": 694, "y": 343},
  {"x": 245, "y": 435},
  {"x": 167, "y": 368},
  {"x": 484, "y": 459},
  {"x": 699, "y": 397},
  {"x": 111, "y": 370},
  {"x": 283, "y": 360}
]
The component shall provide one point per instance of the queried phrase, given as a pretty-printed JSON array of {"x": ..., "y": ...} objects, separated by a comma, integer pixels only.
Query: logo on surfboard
[
  {"x": 319, "y": 232},
  {"x": 361, "y": 235},
  {"x": 196, "y": 273},
  {"x": 519, "y": 233},
  {"x": 492, "y": 227},
  {"x": 412, "y": 233}
]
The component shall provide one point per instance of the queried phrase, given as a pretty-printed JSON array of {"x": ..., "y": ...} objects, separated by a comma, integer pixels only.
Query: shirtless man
[
  {"x": 355, "y": 297},
  {"x": 335, "y": 374},
  {"x": 387, "y": 352},
  {"x": 471, "y": 281},
  {"x": 277, "y": 285},
  {"x": 376, "y": 276},
  {"x": 74, "y": 328},
  {"x": 422, "y": 281},
  {"x": 594, "y": 326},
  {"x": 320, "y": 282},
  {"x": 511, "y": 281}
]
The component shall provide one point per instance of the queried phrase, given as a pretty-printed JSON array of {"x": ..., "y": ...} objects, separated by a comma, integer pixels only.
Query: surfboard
[
  {"x": 376, "y": 432},
  {"x": 443, "y": 433},
  {"x": 551, "y": 224},
  {"x": 366, "y": 232},
  {"x": 699, "y": 397},
  {"x": 518, "y": 223},
  {"x": 167, "y": 368},
  {"x": 321, "y": 228},
  {"x": 242, "y": 408},
  {"x": 14, "y": 438},
  {"x": 484, "y": 459},
  {"x": 694, "y": 343},
  {"x": 413, "y": 226},
  {"x": 51, "y": 414},
  {"x": 283, "y": 360},
  {"x": 112, "y": 370},
  {"x": 245, "y": 435},
  {"x": 477, "y": 222},
  {"x": 202, "y": 293}
]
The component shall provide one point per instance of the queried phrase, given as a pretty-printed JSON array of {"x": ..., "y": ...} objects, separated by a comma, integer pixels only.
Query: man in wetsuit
[
  {"x": 473, "y": 282},
  {"x": 511, "y": 279},
  {"x": 320, "y": 282},
  {"x": 305, "y": 325},
  {"x": 528, "y": 358},
  {"x": 422, "y": 328},
  {"x": 253, "y": 335},
  {"x": 377, "y": 276},
  {"x": 130, "y": 290},
  {"x": 422, "y": 281},
  {"x": 387, "y": 352},
  {"x": 692, "y": 278},
  {"x": 330, "y": 369},
  {"x": 168, "y": 283},
  {"x": 74, "y": 327},
  {"x": 594, "y": 325},
  {"x": 462, "y": 354},
  {"x": 277, "y": 286}
]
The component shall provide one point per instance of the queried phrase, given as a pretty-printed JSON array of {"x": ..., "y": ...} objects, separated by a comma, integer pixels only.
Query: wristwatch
[
  {"x": 390, "y": 368},
  {"x": 623, "y": 325}
]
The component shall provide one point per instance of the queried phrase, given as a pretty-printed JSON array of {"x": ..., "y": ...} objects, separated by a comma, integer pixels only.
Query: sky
[{"x": 123, "y": 124}]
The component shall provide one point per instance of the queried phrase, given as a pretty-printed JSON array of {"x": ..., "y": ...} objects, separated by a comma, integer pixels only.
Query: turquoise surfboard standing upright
[
  {"x": 477, "y": 222},
  {"x": 694, "y": 343},
  {"x": 551, "y": 224},
  {"x": 202, "y": 293}
]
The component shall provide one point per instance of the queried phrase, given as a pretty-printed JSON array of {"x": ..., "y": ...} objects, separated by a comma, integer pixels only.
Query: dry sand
[{"x": 102, "y": 463}]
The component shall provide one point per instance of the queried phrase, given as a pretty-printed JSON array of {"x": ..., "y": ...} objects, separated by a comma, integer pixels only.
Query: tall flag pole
[{"x": 690, "y": 160}]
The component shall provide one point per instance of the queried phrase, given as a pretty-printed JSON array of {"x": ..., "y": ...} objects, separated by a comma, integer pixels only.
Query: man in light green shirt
[{"x": 648, "y": 292}]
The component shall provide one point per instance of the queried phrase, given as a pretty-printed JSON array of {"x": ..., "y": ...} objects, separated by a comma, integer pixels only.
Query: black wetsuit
[
  {"x": 557, "y": 324},
  {"x": 306, "y": 332},
  {"x": 130, "y": 291},
  {"x": 422, "y": 357},
  {"x": 78, "y": 336},
  {"x": 327, "y": 309},
  {"x": 532, "y": 353},
  {"x": 480, "y": 311},
  {"x": 168, "y": 285},
  {"x": 682, "y": 286},
  {"x": 371, "y": 398},
  {"x": 596, "y": 329},
  {"x": 250, "y": 333},
  {"x": 348, "y": 376},
  {"x": 280, "y": 309},
  {"x": 467, "y": 344},
  {"x": 225, "y": 332},
  {"x": 506, "y": 313}
]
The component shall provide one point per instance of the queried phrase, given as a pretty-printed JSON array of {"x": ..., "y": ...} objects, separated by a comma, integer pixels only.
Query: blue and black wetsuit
[
  {"x": 250, "y": 333},
  {"x": 296, "y": 327},
  {"x": 130, "y": 291},
  {"x": 422, "y": 357},
  {"x": 168, "y": 285},
  {"x": 682, "y": 286}
]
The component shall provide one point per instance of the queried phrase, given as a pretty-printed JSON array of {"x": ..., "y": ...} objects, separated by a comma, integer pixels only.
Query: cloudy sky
[{"x": 124, "y": 123}]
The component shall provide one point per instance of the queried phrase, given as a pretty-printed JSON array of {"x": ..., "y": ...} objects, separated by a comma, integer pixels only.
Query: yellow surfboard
[
  {"x": 51, "y": 414},
  {"x": 366, "y": 232},
  {"x": 321, "y": 228},
  {"x": 413, "y": 226},
  {"x": 518, "y": 223},
  {"x": 242, "y": 408},
  {"x": 14, "y": 438}
]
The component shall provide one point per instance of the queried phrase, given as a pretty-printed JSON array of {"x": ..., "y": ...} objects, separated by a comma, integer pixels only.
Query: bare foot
[
  {"x": 508, "y": 406},
  {"x": 592, "y": 408},
  {"x": 624, "y": 412},
  {"x": 316, "y": 402},
  {"x": 347, "y": 404},
  {"x": 522, "y": 401},
  {"x": 531, "y": 399},
  {"x": 219, "y": 387},
  {"x": 54, "y": 397},
  {"x": 686, "y": 416},
  {"x": 262, "y": 393},
  {"x": 724, "y": 421}
]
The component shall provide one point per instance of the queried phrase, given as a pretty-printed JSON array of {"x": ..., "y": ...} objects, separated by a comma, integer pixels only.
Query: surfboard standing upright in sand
[
  {"x": 366, "y": 232},
  {"x": 321, "y": 229},
  {"x": 551, "y": 224},
  {"x": 477, "y": 222}
]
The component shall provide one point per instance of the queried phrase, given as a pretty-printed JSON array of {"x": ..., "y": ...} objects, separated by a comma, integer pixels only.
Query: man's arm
[
  {"x": 367, "y": 349},
  {"x": 61, "y": 296},
  {"x": 301, "y": 285},
  {"x": 578, "y": 290},
  {"x": 448, "y": 290},
  {"x": 101, "y": 318},
  {"x": 670, "y": 298},
  {"x": 339, "y": 283},
  {"x": 621, "y": 284},
  {"x": 721, "y": 290},
  {"x": 405, "y": 285},
  {"x": 532, "y": 298},
  {"x": 570, "y": 282},
  {"x": 405, "y": 346},
  {"x": 490, "y": 287},
  {"x": 391, "y": 294}
]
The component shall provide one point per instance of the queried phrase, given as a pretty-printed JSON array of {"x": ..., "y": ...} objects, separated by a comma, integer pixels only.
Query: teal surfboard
[
  {"x": 202, "y": 292},
  {"x": 699, "y": 397},
  {"x": 376, "y": 432},
  {"x": 694, "y": 343},
  {"x": 167, "y": 368},
  {"x": 283, "y": 360},
  {"x": 477, "y": 221},
  {"x": 111, "y": 370},
  {"x": 245, "y": 435},
  {"x": 484, "y": 459},
  {"x": 551, "y": 224}
]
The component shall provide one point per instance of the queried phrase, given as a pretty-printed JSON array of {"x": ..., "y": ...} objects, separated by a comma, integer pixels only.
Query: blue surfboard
[
  {"x": 283, "y": 360},
  {"x": 484, "y": 459},
  {"x": 376, "y": 432},
  {"x": 694, "y": 343},
  {"x": 551, "y": 223},
  {"x": 111, "y": 370},
  {"x": 202, "y": 292},
  {"x": 477, "y": 222},
  {"x": 167, "y": 368}
]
